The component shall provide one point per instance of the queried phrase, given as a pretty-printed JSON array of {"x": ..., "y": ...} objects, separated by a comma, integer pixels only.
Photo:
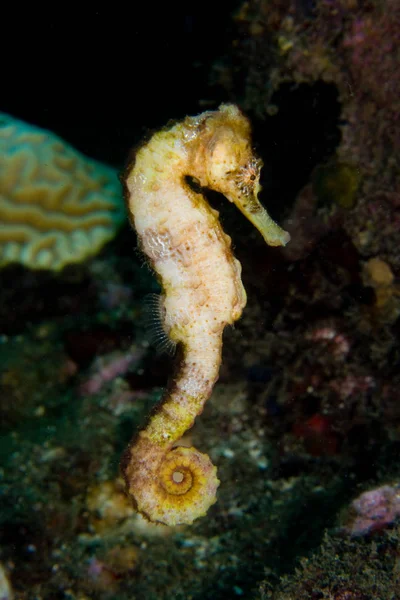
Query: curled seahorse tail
[{"x": 176, "y": 486}]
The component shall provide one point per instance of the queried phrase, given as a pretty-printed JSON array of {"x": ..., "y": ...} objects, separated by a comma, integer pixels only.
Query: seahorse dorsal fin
[{"x": 154, "y": 322}]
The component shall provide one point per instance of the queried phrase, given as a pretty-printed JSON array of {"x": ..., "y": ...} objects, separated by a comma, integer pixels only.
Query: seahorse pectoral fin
[{"x": 257, "y": 215}]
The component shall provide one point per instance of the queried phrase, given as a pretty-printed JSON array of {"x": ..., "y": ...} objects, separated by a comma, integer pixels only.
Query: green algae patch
[{"x": 336, "y": 183}]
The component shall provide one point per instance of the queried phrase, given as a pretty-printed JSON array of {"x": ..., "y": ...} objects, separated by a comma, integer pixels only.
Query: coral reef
[
  {"x": 339, "y": 392},
  {"x": 57, "y": 207},
  {"x": 373, "y": 510},
  {"x": 344, "y": 570},
  {"x": 304, "y": 423},
  {"x": 351, "y": 44},
  {"x": 202, "y": 293}
]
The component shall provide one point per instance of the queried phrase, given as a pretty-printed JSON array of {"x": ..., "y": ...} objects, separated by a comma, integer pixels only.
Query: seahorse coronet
[{"x": 184, "y": 242}]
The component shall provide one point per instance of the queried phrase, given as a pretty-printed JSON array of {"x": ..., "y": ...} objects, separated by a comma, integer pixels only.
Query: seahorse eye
[{"x": 246, "y": 177}]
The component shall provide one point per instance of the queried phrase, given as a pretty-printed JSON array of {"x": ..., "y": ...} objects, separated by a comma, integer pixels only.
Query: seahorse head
[{"x": 224, "y": 161}]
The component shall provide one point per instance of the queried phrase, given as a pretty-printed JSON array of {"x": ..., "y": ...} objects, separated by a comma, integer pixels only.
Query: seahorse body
[{"x": 202, "y": 292}]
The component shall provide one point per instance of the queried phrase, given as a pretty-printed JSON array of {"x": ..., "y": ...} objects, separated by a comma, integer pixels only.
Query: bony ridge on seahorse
[{"x": 202, "y": 292}]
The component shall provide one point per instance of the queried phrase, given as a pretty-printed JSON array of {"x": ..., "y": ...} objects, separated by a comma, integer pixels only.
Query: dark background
[{"x": 100, "y": 78}]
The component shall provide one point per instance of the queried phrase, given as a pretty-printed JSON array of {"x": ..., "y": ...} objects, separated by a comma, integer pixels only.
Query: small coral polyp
[{"x": 202, "y": 292}]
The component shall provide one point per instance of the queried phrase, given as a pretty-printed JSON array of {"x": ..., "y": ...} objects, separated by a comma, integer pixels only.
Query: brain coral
[{"x": 56, "y": 206}]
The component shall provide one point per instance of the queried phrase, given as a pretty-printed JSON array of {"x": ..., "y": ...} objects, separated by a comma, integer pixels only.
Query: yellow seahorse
[{"x": 202, "y": 292}]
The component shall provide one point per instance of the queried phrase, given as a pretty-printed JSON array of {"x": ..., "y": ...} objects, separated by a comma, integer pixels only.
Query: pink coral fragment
[
  {"x": 106, "y": 368},
  {"x": 374, "y": 510}
]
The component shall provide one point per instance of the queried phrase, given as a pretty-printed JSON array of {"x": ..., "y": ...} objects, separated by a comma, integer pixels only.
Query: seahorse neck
[{"x": 163, "y": 161}]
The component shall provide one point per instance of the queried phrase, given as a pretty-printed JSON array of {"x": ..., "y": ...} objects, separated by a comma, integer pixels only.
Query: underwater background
[{"x": 304, "y": 422}]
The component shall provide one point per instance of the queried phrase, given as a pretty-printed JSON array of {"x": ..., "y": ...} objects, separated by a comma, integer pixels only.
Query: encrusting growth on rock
[{"x": 202, "y": 292}]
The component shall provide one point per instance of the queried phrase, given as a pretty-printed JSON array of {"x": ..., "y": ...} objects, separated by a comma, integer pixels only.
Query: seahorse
[{"x": 202, "y": 292}]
